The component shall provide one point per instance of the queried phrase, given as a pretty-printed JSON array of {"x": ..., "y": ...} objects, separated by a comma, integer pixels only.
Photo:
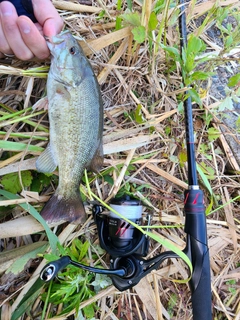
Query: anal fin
[
  {"x": 41, "y": 104},
  {"x": 97, "y": 161}
]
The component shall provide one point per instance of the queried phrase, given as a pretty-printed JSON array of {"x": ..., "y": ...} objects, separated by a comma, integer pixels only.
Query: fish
[{"x": 75, "y": 111}]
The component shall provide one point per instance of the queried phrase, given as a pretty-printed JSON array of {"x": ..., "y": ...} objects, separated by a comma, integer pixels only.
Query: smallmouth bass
[{"x": 75, "y": 112}]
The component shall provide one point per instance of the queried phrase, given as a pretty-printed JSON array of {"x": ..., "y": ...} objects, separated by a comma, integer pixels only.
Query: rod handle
[{"x": 201, "y": 296}]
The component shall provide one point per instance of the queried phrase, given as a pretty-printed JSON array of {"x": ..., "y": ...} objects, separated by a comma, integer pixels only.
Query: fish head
[{"x": 69, "y": 64}]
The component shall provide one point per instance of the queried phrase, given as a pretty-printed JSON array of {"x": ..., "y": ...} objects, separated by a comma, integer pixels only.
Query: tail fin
[{"x": 59, "y": 209}]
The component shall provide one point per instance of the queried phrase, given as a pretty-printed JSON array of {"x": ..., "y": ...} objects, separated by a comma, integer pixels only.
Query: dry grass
[{"x": 128, "y": 78}]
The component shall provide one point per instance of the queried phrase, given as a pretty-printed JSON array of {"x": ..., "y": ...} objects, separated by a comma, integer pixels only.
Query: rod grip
[
  {"x": 197, "y": 250},
  {"x": 201, "y": 296}
]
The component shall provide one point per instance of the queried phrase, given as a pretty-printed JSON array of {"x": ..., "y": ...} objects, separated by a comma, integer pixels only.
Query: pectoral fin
[
  {"x": 97, "y": 161},
  {"x": 41, "y": 104},
  {"x": 46, "y": 162}
]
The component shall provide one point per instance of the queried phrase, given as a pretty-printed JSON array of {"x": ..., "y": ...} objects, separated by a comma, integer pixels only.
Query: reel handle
[{"x": 50, "y": 271}]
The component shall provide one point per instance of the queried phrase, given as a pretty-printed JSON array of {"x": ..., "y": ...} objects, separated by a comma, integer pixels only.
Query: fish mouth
[
  {"x": 56, "y": 40},
  {"x": 52, "y": 42}
]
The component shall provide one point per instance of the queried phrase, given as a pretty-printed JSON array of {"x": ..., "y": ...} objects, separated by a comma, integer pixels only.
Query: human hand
[{"x": 23, "y": 38}]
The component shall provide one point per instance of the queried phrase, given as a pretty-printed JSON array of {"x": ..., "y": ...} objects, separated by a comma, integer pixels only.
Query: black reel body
[
  {"x": 125, "y": 244},
  {"x": 117, "y": 236}
]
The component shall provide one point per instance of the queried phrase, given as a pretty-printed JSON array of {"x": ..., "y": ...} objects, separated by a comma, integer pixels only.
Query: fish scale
[{"x": 76, "y": 126}]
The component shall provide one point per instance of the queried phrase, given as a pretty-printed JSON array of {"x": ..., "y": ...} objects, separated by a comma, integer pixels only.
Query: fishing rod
[
  {"x": 127, "y": 246},
  {"x": 195, "y": 223}
]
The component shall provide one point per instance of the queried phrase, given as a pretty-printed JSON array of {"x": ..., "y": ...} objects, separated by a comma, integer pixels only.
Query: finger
[
  {"x": 4, "y": 45},
  {"x": 32, "y": 37},
  {"x": 48, "y": 17},
  {"x": 12, "y": 34}
]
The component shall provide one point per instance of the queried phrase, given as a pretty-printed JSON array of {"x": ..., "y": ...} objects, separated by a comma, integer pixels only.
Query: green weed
[{"x": 74, "y": 285}]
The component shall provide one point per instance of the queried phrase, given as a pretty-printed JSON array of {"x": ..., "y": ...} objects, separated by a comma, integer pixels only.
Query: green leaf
[
  {"x": 129, "y": 4},
  {"x": 139, "y": 34},
  {"x": 101, "y": 281},
  {"x": 119, "y": 4},
  {"x": 118, "y": 23},
  {"x": 159, "y": 6},
  {"x": 27, "y": 300},
  {"x": 18, "y": 265},
  {"x": 173, "y": 158},
  {"x": 200, "y": 75},
  {"x": 11, "y": 181},
  {"x": 229, "y": 41},
  {"x": 184, "y": 57},
  {"x": 167, "y": 130},
  {"x": 40, "y": 180},
  {"x": 204, "y": 149},
  {"x": 182, "y": 156},
  {"x": 101, "y": 14},
  {"x": 226, "y": 104},
  {"x": 53, "y": 239},
  {"x": 173, "y": 51},
  {"x": 173, "y": 17},
  {"x": 213, "y": 134},
  {"x": 18, "y": 146},
  {"x": 190, "y": 62},
  {"x": 204, "y": 179},
  {"x": 84, "y": 250},
  {"x": 74, "y": 249},
  {"x": 234, "y": 80},
  {"x": 195, "y": 96},
  {"x": 108, "y": 179},
  {"x": 180, "y": 107},
  {"x": 132, "y": 19},
  {"x": 208, "y": 171},
  {"x": 89, "y": 311},
  {"x": 208, "y": 186},
  {"x": 195, "y": 45},
  {"x": 172, "y": 302},
  {"x": 139, "y": 118},
  {"x": 209, "y": 207},
  {"x": 153, "y": 21}
]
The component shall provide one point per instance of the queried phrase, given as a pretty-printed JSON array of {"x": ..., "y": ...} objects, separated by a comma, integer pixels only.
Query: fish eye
[{"x": 73, "y": 50}]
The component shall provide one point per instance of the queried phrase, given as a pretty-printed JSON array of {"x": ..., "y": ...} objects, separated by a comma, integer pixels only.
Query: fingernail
[
  {"x": 6, "y": 9},
  {"x": 24, "y": 26},
  {"x": 49, "y": 28}
]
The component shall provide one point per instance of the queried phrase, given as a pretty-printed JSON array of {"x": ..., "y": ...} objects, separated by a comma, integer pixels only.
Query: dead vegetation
[{"x": 144, "y": 147}]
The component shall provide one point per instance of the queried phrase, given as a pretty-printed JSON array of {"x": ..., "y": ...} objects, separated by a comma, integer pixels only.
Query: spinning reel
[{"x": 125, "y": 244}]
